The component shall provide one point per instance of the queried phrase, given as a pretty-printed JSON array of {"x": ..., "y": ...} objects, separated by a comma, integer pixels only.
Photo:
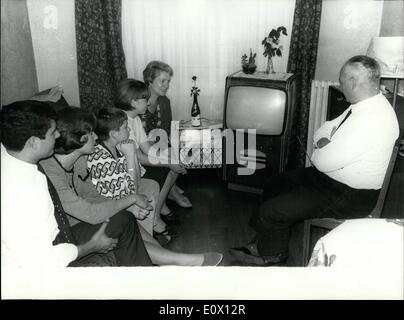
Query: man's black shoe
[{"x": 245, "y": 255}]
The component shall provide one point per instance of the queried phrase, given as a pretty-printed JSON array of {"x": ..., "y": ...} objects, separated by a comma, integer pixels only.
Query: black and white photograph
[{"x": 198, "y": 150}]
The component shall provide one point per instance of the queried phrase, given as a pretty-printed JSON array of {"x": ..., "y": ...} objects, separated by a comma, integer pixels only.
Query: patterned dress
[{"x": 109, "y": 175}]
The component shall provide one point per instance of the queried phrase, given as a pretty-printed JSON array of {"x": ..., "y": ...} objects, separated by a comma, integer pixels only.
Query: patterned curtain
[
  {"x": 100, "y": 56},
  {"x": 302, "y": 60}
]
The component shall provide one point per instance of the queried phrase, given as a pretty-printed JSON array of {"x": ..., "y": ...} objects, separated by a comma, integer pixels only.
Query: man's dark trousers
[
  {"x": 130, "y": 250},
  {"x": 304, "y": 194}
]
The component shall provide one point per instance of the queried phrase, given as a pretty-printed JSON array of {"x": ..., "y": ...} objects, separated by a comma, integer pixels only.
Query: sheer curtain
[{"x": 205, "y": 38}]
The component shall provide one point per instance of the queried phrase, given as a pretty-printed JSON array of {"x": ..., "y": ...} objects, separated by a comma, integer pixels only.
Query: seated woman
[
  {"x": 157, "y": 76},
  {"x": 115, "y": 171},
  {"x": 132, "y": 97},
  {"x": 67, "y": 169}
]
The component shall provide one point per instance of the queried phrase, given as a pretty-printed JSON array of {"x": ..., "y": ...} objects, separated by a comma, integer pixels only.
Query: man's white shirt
[
  {"x": 28, "y": 224},
  {"x": 360, "y": 149}
]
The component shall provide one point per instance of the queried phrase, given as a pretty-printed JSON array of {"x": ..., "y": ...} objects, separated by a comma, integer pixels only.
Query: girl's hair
[
  {"x": 73, "y": 123},
  {"x": 128, "y": 90},
  {"x": 109, "y": 119},
  {"x": 153, "y": 70}
]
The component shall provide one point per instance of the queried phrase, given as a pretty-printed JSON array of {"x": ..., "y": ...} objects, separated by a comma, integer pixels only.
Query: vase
[{"x": 270, "y": 66}]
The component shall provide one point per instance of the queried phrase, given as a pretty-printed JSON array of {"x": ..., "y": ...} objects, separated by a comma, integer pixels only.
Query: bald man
[{"x": 350, "y": 159}]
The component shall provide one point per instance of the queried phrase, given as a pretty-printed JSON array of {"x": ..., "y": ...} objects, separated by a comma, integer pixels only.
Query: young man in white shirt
[
  {"x": 350, "y": 160},
  {"x": 28, "y": 224}
]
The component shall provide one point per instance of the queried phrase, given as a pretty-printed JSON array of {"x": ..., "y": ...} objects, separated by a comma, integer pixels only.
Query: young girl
[
  {"x": 133, "y": 98},
  {"x": 116, "y": 173}
]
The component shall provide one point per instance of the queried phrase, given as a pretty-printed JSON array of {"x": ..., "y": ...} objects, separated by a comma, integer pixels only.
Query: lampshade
[{"x": 389, "y": 53}]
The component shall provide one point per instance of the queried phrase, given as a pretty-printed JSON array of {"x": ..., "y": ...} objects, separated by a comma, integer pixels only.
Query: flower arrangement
[
  {"x": 249, "y": 65},
  {"x": 194, "y": 90},
  {"x": 272, "y": 47}
]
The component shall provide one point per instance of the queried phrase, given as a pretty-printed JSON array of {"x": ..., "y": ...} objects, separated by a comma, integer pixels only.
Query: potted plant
[
  {"x": 249, "y": 65},
  {"x": 272, "y": 47}
]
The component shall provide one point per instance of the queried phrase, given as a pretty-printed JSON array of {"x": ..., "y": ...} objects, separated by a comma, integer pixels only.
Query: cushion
[
  {"x": 53, "y": 97},
  {"x": 96, "y": 260}
]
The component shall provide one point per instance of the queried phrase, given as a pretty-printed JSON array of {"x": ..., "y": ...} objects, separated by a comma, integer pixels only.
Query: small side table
[{"x": 201, "y": 147}]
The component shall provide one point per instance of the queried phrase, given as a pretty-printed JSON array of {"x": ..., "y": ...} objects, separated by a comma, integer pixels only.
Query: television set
[{"x": 266, "y": 103}]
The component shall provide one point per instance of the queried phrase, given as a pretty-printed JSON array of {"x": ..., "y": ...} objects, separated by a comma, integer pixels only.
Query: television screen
[{"x": 253, "y": 107}]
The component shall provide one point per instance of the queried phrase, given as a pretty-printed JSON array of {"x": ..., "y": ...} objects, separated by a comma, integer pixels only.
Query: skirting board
[{"x": 239, "y": 187}]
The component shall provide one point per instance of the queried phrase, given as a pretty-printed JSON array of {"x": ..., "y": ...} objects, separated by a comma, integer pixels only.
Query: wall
[
  {"x": 202, "y": 38},
  {"x": 18, "y": 75},
  {"x": 392, "y": 24},
  {"x": 54, "y": 42},
  {"x": 346, "y": 30}
]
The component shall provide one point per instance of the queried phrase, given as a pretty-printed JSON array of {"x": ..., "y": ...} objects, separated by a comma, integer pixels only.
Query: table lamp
[{"x": 389, "y": 53}]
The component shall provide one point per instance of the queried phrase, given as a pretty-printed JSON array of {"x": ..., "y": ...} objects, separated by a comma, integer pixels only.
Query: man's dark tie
[
  {"x": 65, "y": 234},
  {"x": 346, "y": 117}
]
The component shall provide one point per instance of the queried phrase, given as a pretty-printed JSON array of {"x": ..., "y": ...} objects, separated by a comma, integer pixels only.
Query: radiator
[{"x": 318, "y": 111}]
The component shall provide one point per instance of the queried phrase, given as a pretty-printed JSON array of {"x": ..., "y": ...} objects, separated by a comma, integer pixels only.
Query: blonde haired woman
[{"x": 157, "y": 76}]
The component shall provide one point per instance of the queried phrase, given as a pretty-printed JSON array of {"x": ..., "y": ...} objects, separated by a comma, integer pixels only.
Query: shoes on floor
[
  {"x": 164, "y": 237},
  {"x": 165, "y": 210},
  {"x": 245, "y": 255},
  {"x": 212, "y": 259},
  {"x": 179, "y": 189},
  {"x": 252, "y": 247},
  {"x": 170, "y": 218},
  {"x": 182, "y": 201}
]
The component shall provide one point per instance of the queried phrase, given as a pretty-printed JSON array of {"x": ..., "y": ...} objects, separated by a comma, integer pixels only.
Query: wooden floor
[{"x": 219, "y": 217}]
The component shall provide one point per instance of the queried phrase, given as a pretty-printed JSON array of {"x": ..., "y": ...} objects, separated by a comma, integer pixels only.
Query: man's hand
[
  {"x": 143, "y": 202},
  {"x": 141, "y": 214},
  {"x": 178, "y": 168},
  {"x": 127, "y": 147},
  {"x": 100, "y": 242},
  {"x": 322, "y": 143}
]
